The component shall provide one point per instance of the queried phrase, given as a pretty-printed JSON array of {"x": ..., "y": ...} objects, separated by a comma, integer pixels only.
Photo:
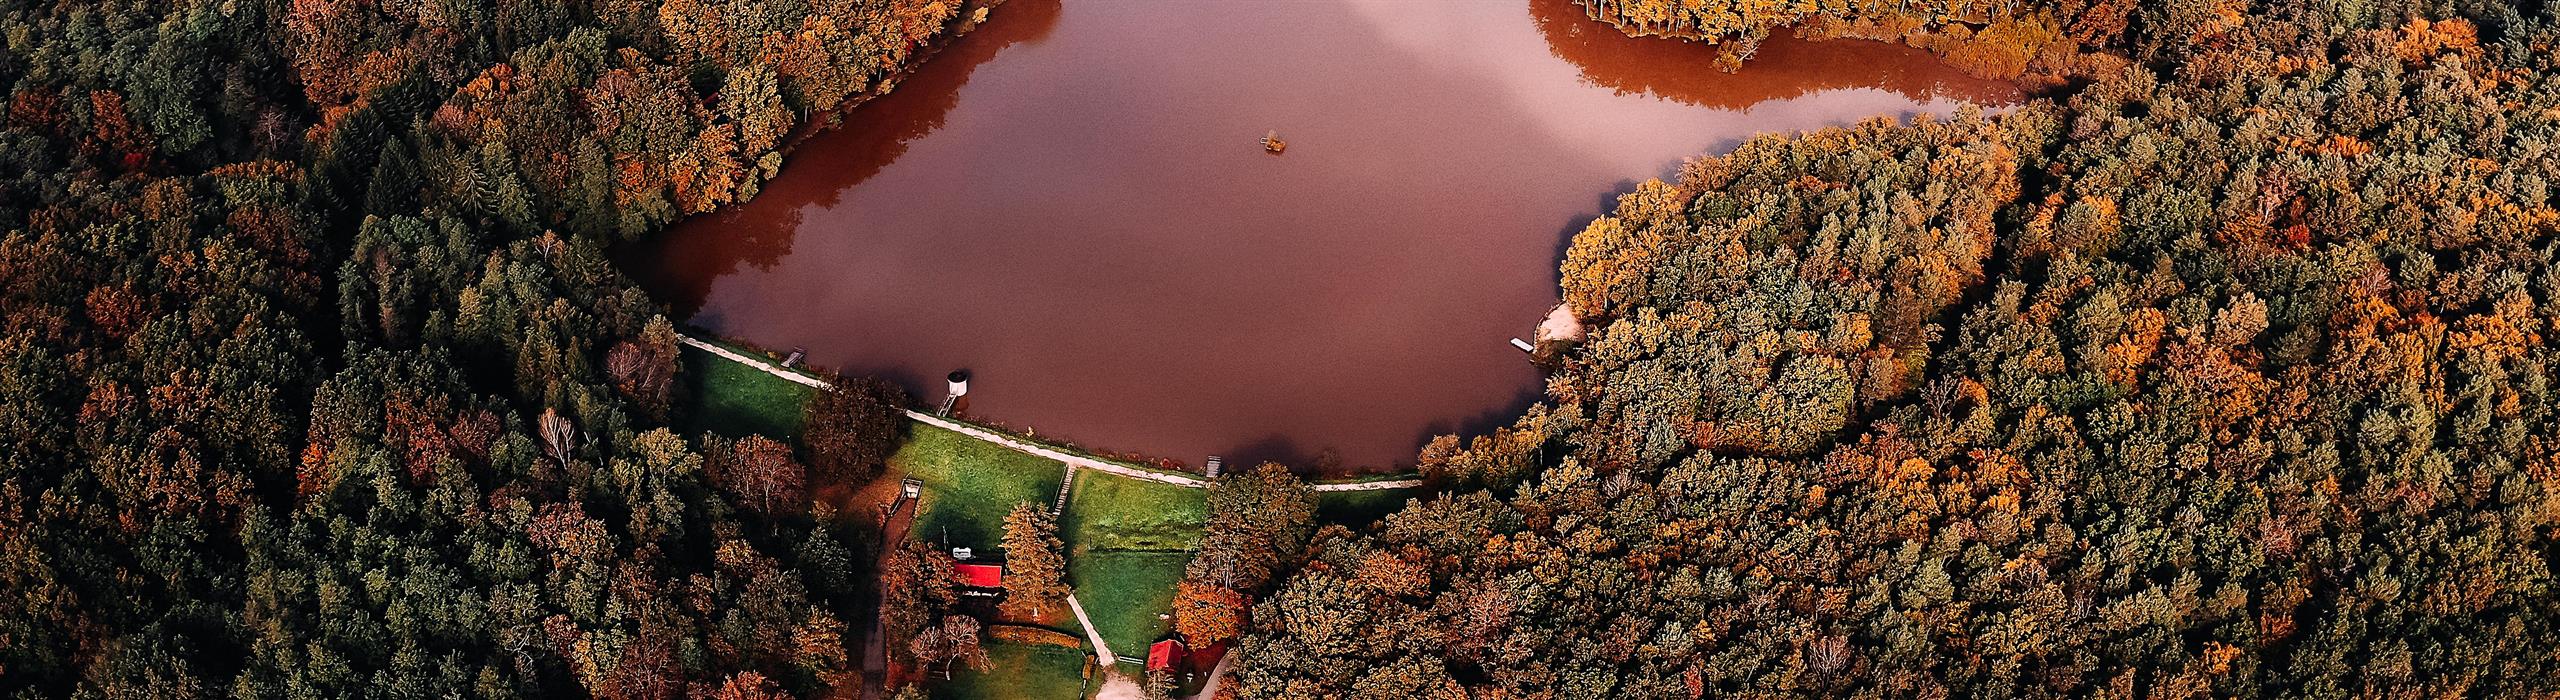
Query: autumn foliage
[
  {"x": 316, "y": 380},
  {"x": 1035, "y": 577},
  {"x": 2226, "y": 374}
]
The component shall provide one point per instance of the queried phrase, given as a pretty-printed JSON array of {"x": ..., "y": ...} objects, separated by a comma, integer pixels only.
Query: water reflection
[
  {"x": 1784, "y": 67},
  {"x": 680, "y": 266},
  {"x": 1073, "y": 203}
]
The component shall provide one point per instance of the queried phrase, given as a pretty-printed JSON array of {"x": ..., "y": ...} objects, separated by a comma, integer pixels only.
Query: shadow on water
[
  {"x": 1273, "y": 447},
  {"x": 1483, "y": 423},
  {"x": 1785, "y": 67},
  {"x": 680, "y": 263},
  {"x": 1606, "y": 204}
]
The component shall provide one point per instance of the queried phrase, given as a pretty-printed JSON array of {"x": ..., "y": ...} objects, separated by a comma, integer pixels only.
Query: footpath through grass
[
  {"x": 1124, "y": 592},
  {"x": 1127, "y": 542},
  {"x": 1019, "y": 672},
  {"x": 1127, "y": 539}
]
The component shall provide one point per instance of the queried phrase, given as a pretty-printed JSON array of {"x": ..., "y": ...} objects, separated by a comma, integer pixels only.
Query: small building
[
  {"x": 980, "y": 579},
  {"x": 1165, "y": 655}
]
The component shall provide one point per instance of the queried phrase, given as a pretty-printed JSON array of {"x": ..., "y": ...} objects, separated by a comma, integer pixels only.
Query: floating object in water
[
  {"x": 1524, "y": 346},
  {"x": 1271, "y": 142}
]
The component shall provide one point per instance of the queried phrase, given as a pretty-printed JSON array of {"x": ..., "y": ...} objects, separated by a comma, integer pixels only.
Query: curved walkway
[
  {"x": 1217, "y": 676},
  {"x": 1025, "y": 446}
]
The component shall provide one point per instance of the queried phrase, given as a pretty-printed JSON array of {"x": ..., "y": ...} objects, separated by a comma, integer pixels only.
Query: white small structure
[
  {"x": 959, "y": 388},
  {"x": 963, "y": 553}
]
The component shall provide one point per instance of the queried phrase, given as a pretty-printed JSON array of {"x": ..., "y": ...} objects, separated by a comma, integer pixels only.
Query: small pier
[{"x": 959, "y": 388}]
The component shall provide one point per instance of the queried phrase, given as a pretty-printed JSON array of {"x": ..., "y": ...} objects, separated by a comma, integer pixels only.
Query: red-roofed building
[
  {"x": 980, "y": 575},
  {"x": 1164, "y": 655}
]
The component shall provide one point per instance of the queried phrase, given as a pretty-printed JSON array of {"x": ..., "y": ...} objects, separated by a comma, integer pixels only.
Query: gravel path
[
  {"x": 1216, "y": 676},
  {"x": 1027, "y": 447},
  {"x": 1101, "y": 649}
]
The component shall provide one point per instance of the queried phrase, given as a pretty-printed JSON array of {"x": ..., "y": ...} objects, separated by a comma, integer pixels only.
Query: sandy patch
[{"x": 1119, "y": 687}]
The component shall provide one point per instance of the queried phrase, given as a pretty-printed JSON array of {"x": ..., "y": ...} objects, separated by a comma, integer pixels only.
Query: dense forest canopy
[
  {"x": 2223, "y": 372},
  {"x": 2229, "y": 372},
  {"x": 2047, "y": 38},
  {"x": 314, "y": 381}
]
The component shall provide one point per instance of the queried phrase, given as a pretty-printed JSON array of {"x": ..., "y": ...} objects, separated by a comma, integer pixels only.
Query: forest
[
  {"x": 314, "y": 378},
  {"x": 2222, "y": 372}
]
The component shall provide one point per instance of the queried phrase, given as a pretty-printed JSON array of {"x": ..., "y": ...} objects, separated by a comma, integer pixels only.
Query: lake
[{"x": 1072, "y": 202}]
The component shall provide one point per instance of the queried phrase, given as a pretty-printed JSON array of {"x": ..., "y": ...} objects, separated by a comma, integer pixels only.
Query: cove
[{"x": 1073, "y": 204}]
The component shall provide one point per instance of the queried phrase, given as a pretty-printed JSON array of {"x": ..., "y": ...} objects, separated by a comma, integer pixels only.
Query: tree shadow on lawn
[
  {"x": 970, "y": 485},
  {"x": 1019, "y": 672}
]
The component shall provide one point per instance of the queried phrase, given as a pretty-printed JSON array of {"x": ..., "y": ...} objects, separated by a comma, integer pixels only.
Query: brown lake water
[{"x": 1072, "y": 203}]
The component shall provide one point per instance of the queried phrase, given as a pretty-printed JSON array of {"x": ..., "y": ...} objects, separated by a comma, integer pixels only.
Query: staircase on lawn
[{"x": 1060, "y": 507}]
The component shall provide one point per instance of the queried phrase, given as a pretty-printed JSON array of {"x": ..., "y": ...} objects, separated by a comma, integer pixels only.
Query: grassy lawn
[
  {"x": 1124, "y": 592},
  {"x": 1114, "y": 513},
  {"x": 1357, "y": 509},
  {"x": 736, "y": 400},
  {"x": 1019, "y": 672},
  {"x": 1127, "y": 541},
  {"x": 970, "y": 485}
]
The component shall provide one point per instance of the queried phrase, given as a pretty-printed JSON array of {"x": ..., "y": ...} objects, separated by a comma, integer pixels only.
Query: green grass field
[
  {"x": 1124, "y": 592},
  {"x": 1114, "y": 513},
  {"x": 1127, "y": 541},
  {"x": 737, "y": 400},
  {"x": 970, "y": 485},
  {"x": 1019, "y": 672}
]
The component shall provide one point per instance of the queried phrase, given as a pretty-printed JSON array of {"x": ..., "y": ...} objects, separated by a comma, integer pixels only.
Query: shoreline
[{"x": 1067, "y": 454}]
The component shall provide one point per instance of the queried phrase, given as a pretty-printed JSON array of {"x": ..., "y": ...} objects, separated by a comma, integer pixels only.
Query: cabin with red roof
[
  {"x": 984, "y": 579},
  {"x": 1164, "y": 655}
]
